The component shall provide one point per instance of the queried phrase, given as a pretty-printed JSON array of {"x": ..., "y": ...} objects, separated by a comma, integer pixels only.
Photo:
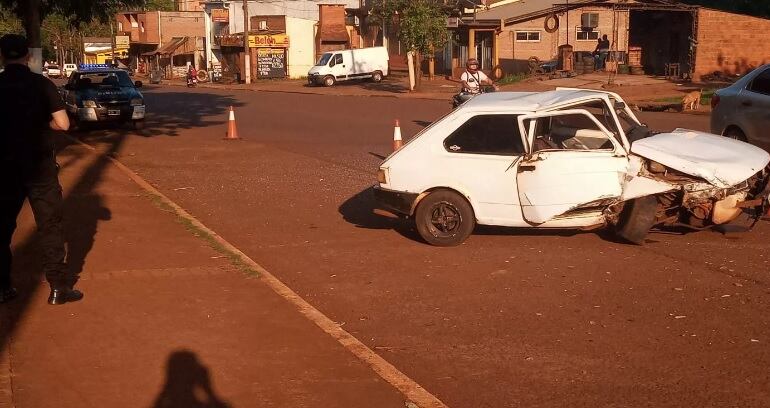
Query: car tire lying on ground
[
  {"x": 636, "y": 219},
  {"x": 444, "y": 218}
]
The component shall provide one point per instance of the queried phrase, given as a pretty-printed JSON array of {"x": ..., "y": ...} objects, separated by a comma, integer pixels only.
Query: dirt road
[{"x": 512, "y": 318}]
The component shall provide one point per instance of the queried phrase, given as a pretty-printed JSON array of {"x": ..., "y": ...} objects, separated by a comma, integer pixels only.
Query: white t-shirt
[{"x": 473, "y": 80}]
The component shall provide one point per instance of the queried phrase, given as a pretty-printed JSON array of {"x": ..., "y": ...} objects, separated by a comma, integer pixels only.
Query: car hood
[
  {"x": 316, "y": 70},
  {"x": 720, "y": 161},
  {"x": 121, "y": 94}
]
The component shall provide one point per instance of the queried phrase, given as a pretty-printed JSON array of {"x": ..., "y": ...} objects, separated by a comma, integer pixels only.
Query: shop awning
[
  {"x": 333, "y": 33},
  {"x": 169, "y": 48}
]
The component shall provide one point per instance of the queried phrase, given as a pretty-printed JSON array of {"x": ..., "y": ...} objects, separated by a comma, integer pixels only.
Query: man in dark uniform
[{"x": 30, "y": 107}]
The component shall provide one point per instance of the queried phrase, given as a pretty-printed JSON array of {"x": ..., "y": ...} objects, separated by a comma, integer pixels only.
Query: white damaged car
[{"x": 574, "y": 159}]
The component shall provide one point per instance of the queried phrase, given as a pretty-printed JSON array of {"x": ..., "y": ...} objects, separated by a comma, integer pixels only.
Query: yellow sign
[
  {"x": 122, "y": 41},
  {"x": 269, "y": 40}
]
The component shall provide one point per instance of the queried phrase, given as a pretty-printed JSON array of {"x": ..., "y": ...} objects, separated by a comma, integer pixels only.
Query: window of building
[
  {"x": 589, "y": 20},
  {"x": 761, "y": 84},
  {"x": 487, "y": 134},
  {"x": 527, "y": 36},
  {"x": 581, "y": 35}
]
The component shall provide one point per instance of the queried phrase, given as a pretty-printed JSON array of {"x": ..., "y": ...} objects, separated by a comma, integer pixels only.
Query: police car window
[
  {"x": 761, "y": 84},
  {"x": 102, "y": 79},
  {"x": 487, "y": 134}
]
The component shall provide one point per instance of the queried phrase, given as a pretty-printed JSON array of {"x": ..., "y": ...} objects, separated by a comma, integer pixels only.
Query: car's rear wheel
[
  {"x": 735, "y": 133},
  {"x": 636, "y": 219},
  {"x": 444, "y": 218},
  {"x": 376, "y": 76}
]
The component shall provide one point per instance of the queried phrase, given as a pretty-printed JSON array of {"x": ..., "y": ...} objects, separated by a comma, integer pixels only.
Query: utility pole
[
  {"x": 246, "y": 54},
  {"x": 112, "y": 44}
]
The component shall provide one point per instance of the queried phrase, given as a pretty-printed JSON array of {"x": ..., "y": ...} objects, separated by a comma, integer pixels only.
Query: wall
[
  {"x": 181, "y": 24},
  {"x": 514, "y": 55},
  {"x": 301, "y": 56},
  {"x": 304, "y": 9},
  {"x": 730, "y": 43}
]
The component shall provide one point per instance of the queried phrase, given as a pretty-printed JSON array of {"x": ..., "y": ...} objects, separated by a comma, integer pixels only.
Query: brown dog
[{"x": 692, "y": 100}]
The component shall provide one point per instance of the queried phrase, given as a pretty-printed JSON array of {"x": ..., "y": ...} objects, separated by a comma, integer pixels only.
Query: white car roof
[{"x": 530, "y": 101}]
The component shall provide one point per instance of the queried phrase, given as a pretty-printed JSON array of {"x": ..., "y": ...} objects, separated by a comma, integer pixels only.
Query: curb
[{"x": 414, "y": 392}]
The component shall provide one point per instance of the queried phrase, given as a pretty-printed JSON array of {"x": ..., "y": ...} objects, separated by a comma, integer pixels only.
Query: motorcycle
[{"x": 463, "y": 96}]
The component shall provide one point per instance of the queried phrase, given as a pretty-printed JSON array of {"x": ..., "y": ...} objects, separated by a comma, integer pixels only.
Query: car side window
[
  {"x": 761, "y": 84},
  {"x": 573, "y": 131},
  {"x": 487, "y": 134},
  {"x": 337, "y": 59}
]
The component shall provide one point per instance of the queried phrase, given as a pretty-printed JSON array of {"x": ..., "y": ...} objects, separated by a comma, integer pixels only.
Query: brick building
[
  {"x": 660, "y": 35},
  {"x": 165, "y": 40}
]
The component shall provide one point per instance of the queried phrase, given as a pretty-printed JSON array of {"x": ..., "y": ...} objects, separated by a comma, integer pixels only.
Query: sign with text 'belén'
[{"x": 269, "y": 40}]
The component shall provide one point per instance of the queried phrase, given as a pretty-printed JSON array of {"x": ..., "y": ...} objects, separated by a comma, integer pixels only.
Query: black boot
[{"x": 60, "y": 296}]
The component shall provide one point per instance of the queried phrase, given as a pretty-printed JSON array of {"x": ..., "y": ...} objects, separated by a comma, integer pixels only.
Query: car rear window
[
  {"x": 761, "y": 84},
  {"x": 487, "y": 134}
]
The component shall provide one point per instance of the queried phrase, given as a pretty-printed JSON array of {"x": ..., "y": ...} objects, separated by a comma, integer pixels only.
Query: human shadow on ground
[
  {"x": 188, "y": 384},
  {"x": 84, "y": 208}
]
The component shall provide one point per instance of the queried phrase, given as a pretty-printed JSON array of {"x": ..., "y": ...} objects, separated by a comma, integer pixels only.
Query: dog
[{"x": 692, "y": 100}]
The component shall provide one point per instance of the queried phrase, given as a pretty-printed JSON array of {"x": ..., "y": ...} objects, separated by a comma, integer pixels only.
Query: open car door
[{"x": 573, "y": 162}]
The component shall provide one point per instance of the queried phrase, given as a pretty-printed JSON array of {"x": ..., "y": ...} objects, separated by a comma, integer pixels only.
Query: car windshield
[
  {"x": 53, "y": 67},
  {"x": 324, "y": 59},
  {"x": 113, "y": 79}
]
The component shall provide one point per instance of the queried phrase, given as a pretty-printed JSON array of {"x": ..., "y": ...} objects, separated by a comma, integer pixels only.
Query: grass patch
[
  {"x": 511, "y": 79},
  {"x": 234, "y": 258}
]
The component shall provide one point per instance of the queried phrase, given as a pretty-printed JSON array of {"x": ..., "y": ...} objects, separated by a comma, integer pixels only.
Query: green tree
[
  {"x": 33, "y": 12},
  {"x": 421, "y": 25}
]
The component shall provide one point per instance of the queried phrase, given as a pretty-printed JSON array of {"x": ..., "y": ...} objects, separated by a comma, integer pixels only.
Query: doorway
[{"x": 665, "y": 38}]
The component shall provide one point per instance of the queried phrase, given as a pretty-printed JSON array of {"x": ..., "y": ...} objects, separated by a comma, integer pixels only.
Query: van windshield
[{"x": 324, "y": 59}]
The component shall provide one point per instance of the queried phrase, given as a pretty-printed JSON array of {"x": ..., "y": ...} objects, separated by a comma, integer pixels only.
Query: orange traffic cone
[
  {"x": 232, "y": 131},
  {"x": 397, "y": 142}
]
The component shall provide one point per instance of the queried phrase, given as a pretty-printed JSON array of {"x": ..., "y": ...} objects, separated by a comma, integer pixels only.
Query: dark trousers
[{"x": 38, "y": 181}]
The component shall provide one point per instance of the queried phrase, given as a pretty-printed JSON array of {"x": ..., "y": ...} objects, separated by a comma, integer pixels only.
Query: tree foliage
[
  {"x": 421, "y": 23},
  {"x": 759, "y": 8}
]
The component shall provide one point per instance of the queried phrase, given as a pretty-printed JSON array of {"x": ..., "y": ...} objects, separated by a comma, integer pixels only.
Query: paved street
[{"x": 512, "y": 318}]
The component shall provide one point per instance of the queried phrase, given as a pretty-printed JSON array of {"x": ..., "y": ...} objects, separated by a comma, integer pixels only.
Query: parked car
[
  {"x": 576, "y": 159},
  {"x": 98, "y": 93},
  {"x": 52, "y": 71},
  {"x": 69, "y": 69},
  {"x": 362, "y": 63},
  {"x": 742, "y": 110}
]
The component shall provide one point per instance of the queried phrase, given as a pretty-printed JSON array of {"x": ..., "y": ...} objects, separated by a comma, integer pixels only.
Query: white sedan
[{"x": 568, "y": 158}]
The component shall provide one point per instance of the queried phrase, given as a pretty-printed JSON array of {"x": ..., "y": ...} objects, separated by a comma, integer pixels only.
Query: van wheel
[
  {"x": 444, "y": 218},
  {"x": 636, "y": 219},
  {"x": 329, "y": 80},
  {"x": 376, "y": 76}
]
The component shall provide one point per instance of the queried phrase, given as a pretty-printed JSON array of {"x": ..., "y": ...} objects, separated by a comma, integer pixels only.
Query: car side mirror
[{"x": 138, "y": 84}]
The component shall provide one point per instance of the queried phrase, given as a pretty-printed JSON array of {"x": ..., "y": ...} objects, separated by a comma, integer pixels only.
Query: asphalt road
[{"x": 512, "y": 318}]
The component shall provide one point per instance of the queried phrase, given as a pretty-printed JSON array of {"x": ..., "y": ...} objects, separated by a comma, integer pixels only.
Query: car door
[
  {"x": 754, "y": 107},
  {"x": 479, "y": 159},
  {"x": 573, "y": 162},
  {"x": 338, "y": 66}
]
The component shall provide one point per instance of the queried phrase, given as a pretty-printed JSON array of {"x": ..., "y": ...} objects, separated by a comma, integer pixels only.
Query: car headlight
[
  {"x": 137, "y": 101},
  {"x": 89, "y": 104}
]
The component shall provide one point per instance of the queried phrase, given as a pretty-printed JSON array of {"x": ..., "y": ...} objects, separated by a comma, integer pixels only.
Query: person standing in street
[
  {"x": 30, "y": 107},
  {"x": 601, "y": 52}
]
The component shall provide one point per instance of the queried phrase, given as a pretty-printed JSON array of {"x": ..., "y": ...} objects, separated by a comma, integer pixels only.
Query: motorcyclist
[
  {"x": 192, "y": 75},
  {"x": 472, "y": 81}
]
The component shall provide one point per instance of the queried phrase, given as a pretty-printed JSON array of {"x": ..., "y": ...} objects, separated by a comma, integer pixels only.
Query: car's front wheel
[
  {"x": 444, "y": 218},
  {"x": 637, "y": 218}
]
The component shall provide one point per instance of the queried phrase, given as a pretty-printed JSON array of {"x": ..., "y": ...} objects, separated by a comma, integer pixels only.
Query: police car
[{"x": 100, "y": 93}]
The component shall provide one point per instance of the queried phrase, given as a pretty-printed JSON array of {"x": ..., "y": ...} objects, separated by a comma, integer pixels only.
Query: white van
[
  {"x": 343, "y": 65},
  {"x": 69, "y": 69}
]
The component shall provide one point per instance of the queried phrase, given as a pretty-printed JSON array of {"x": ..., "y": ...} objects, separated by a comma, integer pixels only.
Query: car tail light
[{"x": 714, "y": 101}]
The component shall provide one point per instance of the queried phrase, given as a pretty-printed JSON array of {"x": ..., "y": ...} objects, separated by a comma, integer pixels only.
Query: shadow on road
[
  {"x": 84, "y": 208},
  {"x": 188, "y": 384}
]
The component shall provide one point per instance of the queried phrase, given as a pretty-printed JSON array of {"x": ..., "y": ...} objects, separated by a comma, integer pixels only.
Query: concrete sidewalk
[{"x": 167, "y": 320}]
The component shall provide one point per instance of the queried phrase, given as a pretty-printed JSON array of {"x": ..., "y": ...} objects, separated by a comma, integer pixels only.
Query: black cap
[{"x": 13, "y": 46}]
